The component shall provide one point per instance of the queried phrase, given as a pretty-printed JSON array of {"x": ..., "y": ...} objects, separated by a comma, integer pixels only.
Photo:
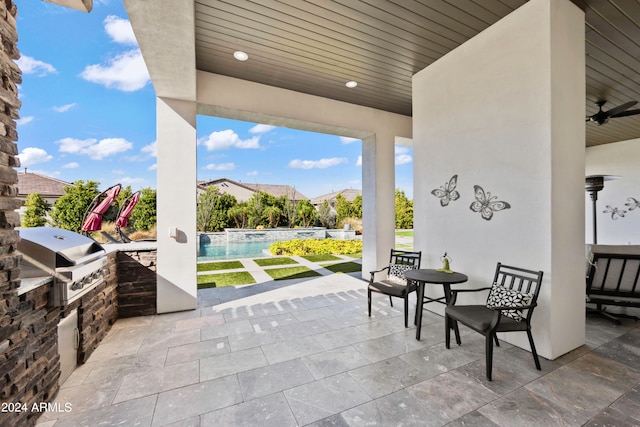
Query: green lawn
[
  {"x": 344, "y": 267},
  {"x": 407, "y": 233},
  {"x": 321, "y": 258},
  {"x": 291, "y": 273},
  {"x": 220, "y": 265},
  {"x": 266, "y": 262},
  {"x": 224, "y": 279}
]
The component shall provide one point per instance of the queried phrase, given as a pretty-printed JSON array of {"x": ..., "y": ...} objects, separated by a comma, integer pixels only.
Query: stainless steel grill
[{"x": 76, "y": 262}]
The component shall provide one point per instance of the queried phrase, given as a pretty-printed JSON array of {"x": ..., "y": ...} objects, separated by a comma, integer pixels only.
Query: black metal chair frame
[
  {"x": 394, "y": 289},
  {"x": 613, "y": 279},
  {"x": 489, "y": 321}
]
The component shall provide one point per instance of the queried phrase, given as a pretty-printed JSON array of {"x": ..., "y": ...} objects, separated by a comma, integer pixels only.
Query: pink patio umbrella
[
  {"x": 93, "y": 221},
  {"x": 125, "y": 212}
]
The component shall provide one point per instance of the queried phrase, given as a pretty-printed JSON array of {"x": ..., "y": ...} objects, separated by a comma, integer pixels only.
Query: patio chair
[
  {"x": 395, "y": 285},
  {"x": 508, "y": 308}
]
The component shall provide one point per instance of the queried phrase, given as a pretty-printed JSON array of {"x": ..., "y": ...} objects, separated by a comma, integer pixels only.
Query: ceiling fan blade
[
  {"x": 627, "y": 113},
  {"x": 620, "y": 108}
]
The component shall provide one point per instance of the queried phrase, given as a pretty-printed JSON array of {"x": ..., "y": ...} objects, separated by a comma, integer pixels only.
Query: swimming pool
[{"x": 232, "y": 250}]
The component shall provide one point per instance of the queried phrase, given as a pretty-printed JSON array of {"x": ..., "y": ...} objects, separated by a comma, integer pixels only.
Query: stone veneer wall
[
  {"x": 136, "y": 279},
  {"x": 28, "y": 360}
]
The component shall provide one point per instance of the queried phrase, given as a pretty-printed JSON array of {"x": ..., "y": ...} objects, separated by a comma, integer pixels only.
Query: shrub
[{"x": 316, "y": 247}]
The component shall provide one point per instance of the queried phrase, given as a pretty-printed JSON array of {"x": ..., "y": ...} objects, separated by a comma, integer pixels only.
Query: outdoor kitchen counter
[
  {"x": 31, "y": 283},
  {"x": 131, "y": 247}
]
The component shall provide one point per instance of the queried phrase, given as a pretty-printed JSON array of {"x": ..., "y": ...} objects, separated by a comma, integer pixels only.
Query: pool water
[{"x": 232, "y": 250}]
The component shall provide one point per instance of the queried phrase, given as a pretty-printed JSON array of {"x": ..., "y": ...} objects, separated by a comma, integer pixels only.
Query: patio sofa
[{"x": 613, "y": 279}]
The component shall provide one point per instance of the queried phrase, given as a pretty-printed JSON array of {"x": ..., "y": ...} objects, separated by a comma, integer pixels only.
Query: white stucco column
[
  {"x": 505, "y": 111},
  {"x": 378, "y": 201},
  {"x": 176, "y": 205}
]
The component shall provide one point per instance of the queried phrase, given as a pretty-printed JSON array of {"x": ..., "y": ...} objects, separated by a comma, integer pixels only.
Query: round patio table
[{"x": 432, "y": 276}]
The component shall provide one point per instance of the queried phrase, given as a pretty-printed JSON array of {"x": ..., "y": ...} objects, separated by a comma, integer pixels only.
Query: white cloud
[
  {"x": 118, "y": 172},
  {"x": 153, "y": 167},
  {"x": 120, "y": 30},
  {"x": 399, "y": 149},
  {"x": 220, "y": 167},
  {"x": 359, "y": 161},
  {"x": 24, "y": 120},
  {"x": 96, "y": 150},
  {"x": 130, "y": 181},
  {"x": 151, "y": 149},
  {"x": 252, "y": 173},
  {"x": 403, "y": 159},
  {"x": 32, "y": 156},
  {"x": 317, "y": 164},
  {"x": 64, "y": 108},
  {"x": 126, "y": 72},
  {"x": 226, "y": 139},
  {"x": 30, "y": 65},
  {"x": 261, "y": 128},
  {"x": 347, "y": 140},
  {"x": 72, "y": 165}
]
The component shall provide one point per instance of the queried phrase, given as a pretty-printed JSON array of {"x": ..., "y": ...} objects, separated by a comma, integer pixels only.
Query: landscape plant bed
[
  {"x": 225, "y": 279},
  {"x": 291, "y": 273},
  {"x": 344, "y": 267},
  {"x": 316, "y": 247},
  {"x": 266, "y": 262},
  {"x": 321, "y": 258},
  {"x": 219, "y": 265}
]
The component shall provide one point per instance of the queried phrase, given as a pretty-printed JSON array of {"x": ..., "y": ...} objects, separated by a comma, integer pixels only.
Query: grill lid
[{"x": 56, "y": 247}]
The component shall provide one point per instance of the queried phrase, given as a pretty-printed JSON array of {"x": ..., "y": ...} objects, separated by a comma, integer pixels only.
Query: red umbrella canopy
[
  {"x": 125, "y": 213},
  {"x": 94, "y": 220}
]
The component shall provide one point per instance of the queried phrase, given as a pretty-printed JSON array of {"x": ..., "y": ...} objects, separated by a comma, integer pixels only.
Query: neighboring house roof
[
  {"x": 29, "y": 182},
  {"x": 279, "y": 190},
  {"x": 242, "y": 191},
  {"x": 348, "y": 194}
]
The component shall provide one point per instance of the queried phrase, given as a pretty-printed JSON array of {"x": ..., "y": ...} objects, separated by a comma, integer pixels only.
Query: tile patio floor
[{"x": 306, "y": 353}]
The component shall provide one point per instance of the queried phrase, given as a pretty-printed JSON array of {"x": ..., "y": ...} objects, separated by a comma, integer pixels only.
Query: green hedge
[{"x": 316, "y": 247}]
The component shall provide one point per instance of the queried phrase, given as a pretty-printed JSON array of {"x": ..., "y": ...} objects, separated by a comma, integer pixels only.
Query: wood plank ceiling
[{"x": 317, "y": 46}]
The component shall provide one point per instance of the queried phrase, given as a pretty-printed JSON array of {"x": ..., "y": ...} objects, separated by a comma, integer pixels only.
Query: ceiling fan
[{"x": 602, "y": 117}]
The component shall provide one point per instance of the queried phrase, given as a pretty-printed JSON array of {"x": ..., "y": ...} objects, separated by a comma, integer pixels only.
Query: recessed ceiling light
[
  {"x": 351, "y": 84},
  {"x": 240, "y": 55}
]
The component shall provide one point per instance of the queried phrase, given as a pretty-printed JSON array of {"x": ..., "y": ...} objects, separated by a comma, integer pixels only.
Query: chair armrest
[
  {"x": 470, "y": 290},
  {"x": 373, "y": 273},
  {"x": 454, "y": 293}
]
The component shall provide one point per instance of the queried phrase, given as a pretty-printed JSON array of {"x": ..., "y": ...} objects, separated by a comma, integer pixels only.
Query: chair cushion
[
  {"x": 499, "y": 296},
  {"x": 389, "y": 287},
  {"x": 396, "y": 273},
  {"x": 479, "y": 317}
]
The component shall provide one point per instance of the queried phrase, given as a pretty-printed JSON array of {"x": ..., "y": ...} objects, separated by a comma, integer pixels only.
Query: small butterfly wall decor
[
  {"x": 632, "y": 203},
  {"x": 615, "y": 212},
  {"x": 447, "y": 192},
  {"x": 485, "y": 203}
]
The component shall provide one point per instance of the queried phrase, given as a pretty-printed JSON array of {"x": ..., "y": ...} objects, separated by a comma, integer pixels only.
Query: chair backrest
[
  {"x": 517, "y": 281},
  {"x": 614, "y": 275},
  {"x": 405, "y": 258}
]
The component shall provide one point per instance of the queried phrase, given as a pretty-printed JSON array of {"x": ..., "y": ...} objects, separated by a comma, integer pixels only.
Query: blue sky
[{"x": 88, "y": 112}]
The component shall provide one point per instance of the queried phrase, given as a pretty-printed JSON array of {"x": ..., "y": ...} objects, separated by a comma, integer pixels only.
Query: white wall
[
  {"x": 504, "y": 111},
  {"x": 622, "y": 159}
]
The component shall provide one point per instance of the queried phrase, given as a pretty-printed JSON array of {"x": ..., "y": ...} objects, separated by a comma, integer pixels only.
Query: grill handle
[{"x": 87, "y": 258}]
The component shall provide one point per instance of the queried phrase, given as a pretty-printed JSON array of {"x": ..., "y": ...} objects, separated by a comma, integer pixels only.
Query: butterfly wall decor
[
  {"x": 615, "y": 212},
  {"x": 632, "y": 203},
  {"x": 447, "y": 192},
  {"x": 485, "y": 204}
]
